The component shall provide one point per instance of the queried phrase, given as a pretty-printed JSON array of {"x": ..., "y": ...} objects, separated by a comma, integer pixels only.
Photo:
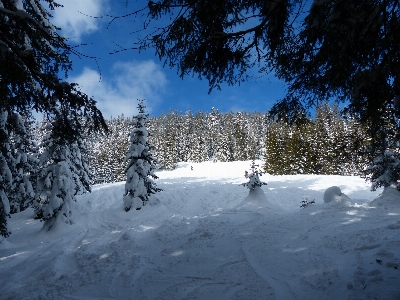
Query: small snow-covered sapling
[{"x": 253, "y": 177}]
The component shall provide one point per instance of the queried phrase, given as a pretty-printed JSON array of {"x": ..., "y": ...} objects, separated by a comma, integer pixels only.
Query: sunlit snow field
[{"x": 201, "y": 238}]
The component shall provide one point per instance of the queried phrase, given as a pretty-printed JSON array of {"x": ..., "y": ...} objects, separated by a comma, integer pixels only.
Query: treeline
[
  {"x": 326, "y": 144},
  {"x": 330, "y": 144}
]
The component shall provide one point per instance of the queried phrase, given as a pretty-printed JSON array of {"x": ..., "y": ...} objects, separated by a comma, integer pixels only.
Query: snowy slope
[{"x": 201, "y": 238}]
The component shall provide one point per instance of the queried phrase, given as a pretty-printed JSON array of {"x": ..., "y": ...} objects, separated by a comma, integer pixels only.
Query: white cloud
[
  {"x": 74, "y": 18},
  {"x": 130, "y": 81}
]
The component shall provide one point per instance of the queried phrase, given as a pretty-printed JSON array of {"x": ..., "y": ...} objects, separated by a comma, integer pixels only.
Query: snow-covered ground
[{"x": 201, "y": 238}]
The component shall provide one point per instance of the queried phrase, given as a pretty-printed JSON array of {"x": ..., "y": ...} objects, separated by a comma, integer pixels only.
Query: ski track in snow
[{"x": 201, "y": 238}]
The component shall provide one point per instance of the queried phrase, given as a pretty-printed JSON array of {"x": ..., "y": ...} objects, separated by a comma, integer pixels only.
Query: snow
[
  {"x": 335, "y": 195},
  {"x": 205, "y": 237}
]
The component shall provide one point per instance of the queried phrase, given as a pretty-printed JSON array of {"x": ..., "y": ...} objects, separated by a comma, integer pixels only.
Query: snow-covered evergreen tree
[
  {"x": 24, "y": 151},
  {"x": 385, "y": 168},
  {"x": 199, "y": 149},
  {"x": 186, "y": 137},
  {"x": 5, "y": 174},
  {"x": 254, "y": 177},
  {"x": 298, "y": 150},
  {"x": 32, "y": 56},
  {"x": 356, "y": 141},
  {"x": 277, "y": 135},
  {"x": 113, "y": 147},
  {"x": 141, "y": 164},
  {"x": 226, "y": 141},
  {"x": 240, "y": 136},
  {"x": 212, "y": 121},
  {"x": 167, "y": 154},
  {"x": 258, "y": 126},
  {"x": 62, "y": 176},
  {"x": 18, "y": 160}
]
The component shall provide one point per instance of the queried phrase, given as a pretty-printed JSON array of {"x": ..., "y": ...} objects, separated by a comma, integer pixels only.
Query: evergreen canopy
[
  {"x": 346, "y": 50},
  {"x": 32, "y": 56}
]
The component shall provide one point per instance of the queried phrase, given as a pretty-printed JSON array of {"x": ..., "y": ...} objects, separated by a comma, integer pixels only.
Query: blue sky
[{"x": 117, "y": 80}]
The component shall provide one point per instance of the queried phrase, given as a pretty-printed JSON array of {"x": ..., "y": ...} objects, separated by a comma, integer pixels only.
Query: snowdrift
[{"x": 207, "y": 237}]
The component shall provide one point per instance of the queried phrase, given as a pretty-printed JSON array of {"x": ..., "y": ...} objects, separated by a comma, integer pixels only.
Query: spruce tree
[
  {"x": 141, "y": 164},
  {"x": 5, "y": 174},
  {"x": 240, "y": 136},
  {"x": 226, "y": 145},
  {"x": 295, "y": 152},
  {"x": 63, "y": 175},
  {"x": 276, "y": 162},
  {"x": 32, "y": 57},
  {"x": 24, "y": 151},
  {"x": 187, "y": 136},
  {"x": 199, "y": 142},
  {"x": 18, "y": 165},
  {"x": 226, "y": 139},
  {"x": 212, "y": 121},
  {"x": 254, "y": 177},
  {"x": 114, "y": 152},
  {"x": 306, "y": 156},
  {"x": 155, "y": 126},
  {"x": 167, "y": 155},
  {"x": 356, "y": 141},
  {"x": 384, "y": 170}
]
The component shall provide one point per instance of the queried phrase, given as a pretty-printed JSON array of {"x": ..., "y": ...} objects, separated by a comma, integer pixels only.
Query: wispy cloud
[
  {"x": 76, "y": 17},
  {"x": 127, "y": 82}
]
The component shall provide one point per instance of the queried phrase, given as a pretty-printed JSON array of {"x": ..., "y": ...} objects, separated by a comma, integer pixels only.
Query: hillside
[{"x": 201, "y": 238}]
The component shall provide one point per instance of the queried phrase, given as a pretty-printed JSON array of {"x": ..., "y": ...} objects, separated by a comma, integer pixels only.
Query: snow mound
[
  {"x": 255, "y": 200},
  {"x": 256, "y": 195},
  {"x": 335, "y": 195},
  {"x": 390, "y": 198}
]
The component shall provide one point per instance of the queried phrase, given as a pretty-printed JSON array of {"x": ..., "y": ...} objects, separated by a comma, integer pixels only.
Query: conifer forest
[{"x": 327, "y": 144}]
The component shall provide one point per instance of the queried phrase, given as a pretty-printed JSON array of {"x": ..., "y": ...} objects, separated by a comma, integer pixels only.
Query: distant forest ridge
[{"x": 329, "y": 143}]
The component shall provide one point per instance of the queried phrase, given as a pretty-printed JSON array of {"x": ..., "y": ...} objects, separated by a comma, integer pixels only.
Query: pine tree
[
  {"x": 276, "y": 161},
  {"x": 355, "y": 140},
  {"x": 32, "y": 57},
  {"x": 306, "y": 156},
  {"x": 141, "y": 164},
  {"x": 212, "y": 121},
  {"x": 322, "y": 143},
  {"x": 384, "y": 170},
  {"x": 179, "y": 137},
  {"x": 167, "y": 155},
  {"x": 18, "y": 164},
  {"x": 187, "y": 137},
  {"x": 199, "y": 153},
  {"x": 62, "y": 176},
  {"x": 24, "y": 151},
  {"x": 114, "y": 152},
  {"x": 240, "y": 137},
  {"x": 5, "y": 174},
  {"x": 155, "y": 126},
  {"x": 295, "y": 152},
  {"x": 226, "y": 142},
  {"x": 257, "y": 128},
  {"x": 254, "y": 177}
]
